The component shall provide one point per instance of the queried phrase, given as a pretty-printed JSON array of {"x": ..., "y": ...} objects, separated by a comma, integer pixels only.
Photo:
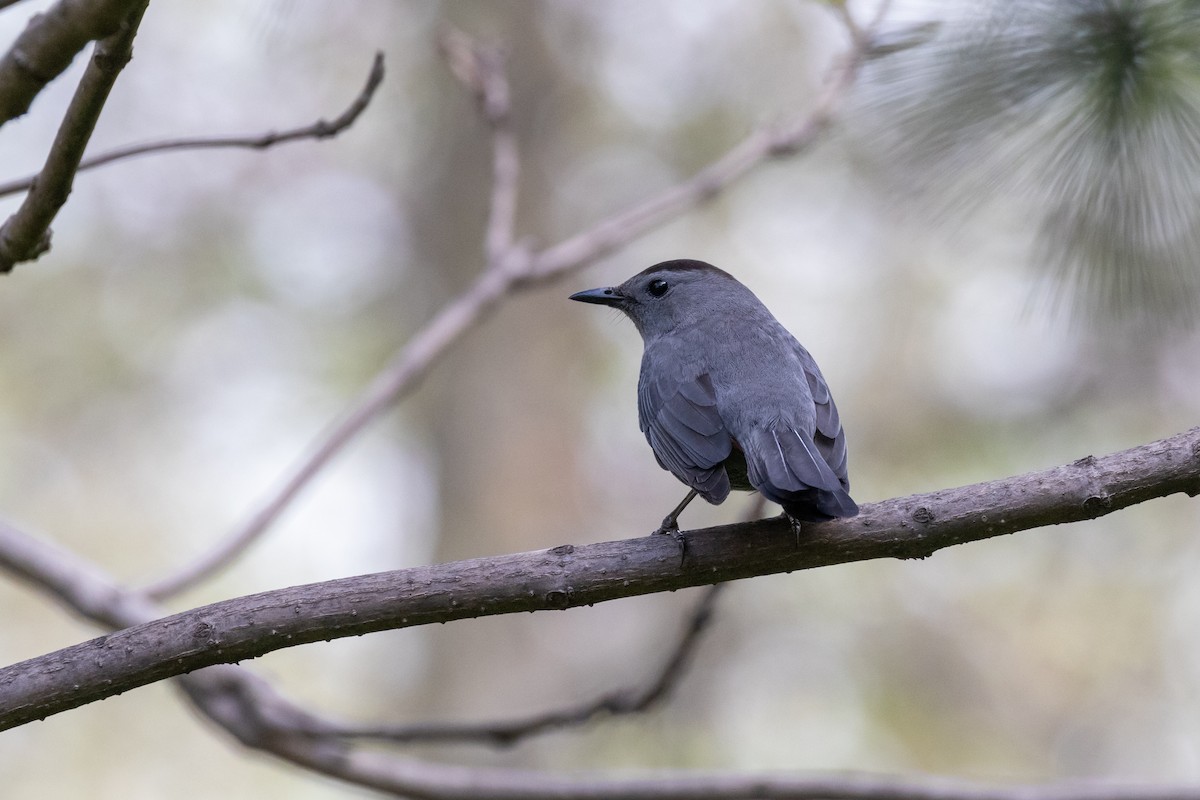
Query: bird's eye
[{"x": 657, "y": 287}]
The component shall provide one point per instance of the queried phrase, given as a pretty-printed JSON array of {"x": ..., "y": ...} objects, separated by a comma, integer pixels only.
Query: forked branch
[{"x": 26, "y": 234}]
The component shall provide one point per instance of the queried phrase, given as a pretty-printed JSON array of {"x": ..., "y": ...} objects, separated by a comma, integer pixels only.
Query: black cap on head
[{"x": 684, "y": 265}]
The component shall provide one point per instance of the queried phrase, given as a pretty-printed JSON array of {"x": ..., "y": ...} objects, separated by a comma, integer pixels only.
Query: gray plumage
[{"x": 727, "y": 398}]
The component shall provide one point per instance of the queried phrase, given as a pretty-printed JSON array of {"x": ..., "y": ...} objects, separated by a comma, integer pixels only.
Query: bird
[{"x": 727, "y": 398}]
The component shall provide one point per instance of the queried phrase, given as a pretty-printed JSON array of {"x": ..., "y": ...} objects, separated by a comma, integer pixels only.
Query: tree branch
[
  {"x": 627, "y": 701},
  {"x": 444, "y": 782},
  {"x": 321, "y": 129},
  {"x": 569, "y": 576},
  {"x": 481, "y": 69},
  {"x": 508, "y": 732},
  {"x": 507, "y": 271},
  {"x": 250, "y": 709},
  {"x": 246, "y": 706},
  {"x": 786, "y": 140},
  {"x": 26, "y": 234},
  {"x": 50, "y": 43}
]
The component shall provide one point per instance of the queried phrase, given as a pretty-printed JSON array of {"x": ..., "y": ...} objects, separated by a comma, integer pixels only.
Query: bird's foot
[
  {"x": 670, "y": 528},
  {"x": 794, "y": 524}
]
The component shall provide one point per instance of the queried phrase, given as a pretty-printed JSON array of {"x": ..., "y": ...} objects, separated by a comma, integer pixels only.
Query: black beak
[{"x": 601, "y": 297}]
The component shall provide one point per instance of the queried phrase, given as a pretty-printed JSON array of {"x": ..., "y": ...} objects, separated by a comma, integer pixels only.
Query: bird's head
[{"x": 670, "y": 294}]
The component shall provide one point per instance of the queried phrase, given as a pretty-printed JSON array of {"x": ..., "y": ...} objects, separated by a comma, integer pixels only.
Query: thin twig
[
  {"x": 509, "y": 732},
  {"x": 399, "y": 376},
  {"x": 628, "y": 701},
  {"x": 321, "y": 129},
  {"x": 26, "y": 234},
  {"x": 783, "y": 141},
  {"x": 506, "y": 273},
  {"x": 481, "y": 70}
]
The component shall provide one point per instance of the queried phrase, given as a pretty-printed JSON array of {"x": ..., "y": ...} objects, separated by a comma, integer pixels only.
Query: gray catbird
[{"x": 727, "y": 398}]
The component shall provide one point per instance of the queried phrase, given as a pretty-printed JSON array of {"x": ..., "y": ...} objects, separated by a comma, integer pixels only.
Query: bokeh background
[{"x": 203, "y": 316}]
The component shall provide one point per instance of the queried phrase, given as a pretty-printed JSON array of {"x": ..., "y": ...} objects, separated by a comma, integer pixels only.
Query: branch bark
[
  {"x": 248, "y": 708},
  {"x": 26, "y": 234},
  {"x": 50, "y": 43},
  {"x": 444, "y": 782},
  {"x": 569, "y": 576}
]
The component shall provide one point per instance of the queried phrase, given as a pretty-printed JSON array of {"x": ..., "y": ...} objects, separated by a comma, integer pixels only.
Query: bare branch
[
  {"x": 259, "y": 718},
  {"x": 787, "y": 140},
  {"x": 393, "y": 382},
  {"x": 443, "y": 782},
  {"x": 628, "y": 701},
  {"x": 568, "y": 576},
  {"x": 233, "y": 697},
  {"x": 509, "y": 732},
  {"x": 77, "y": 584},
  {"x": 26, "y": 234},
  {"x": 50, "y": 43},
  {"x": 508, "y": 272},
  {"x": 481, "y": 69},
  {"x": 321, "y": 129},
  {"x": 245, "y": 704}
]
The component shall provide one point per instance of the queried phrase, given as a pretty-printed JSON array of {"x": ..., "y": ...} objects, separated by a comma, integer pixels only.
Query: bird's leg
[
  {"x": 670, "y": 525},
  {"x": 671, "y": 521}
]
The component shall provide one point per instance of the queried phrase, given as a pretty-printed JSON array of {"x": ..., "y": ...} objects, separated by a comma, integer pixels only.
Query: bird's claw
[
  {"x": 794, "y": 524},
  {"x": 671, "y": 528}
]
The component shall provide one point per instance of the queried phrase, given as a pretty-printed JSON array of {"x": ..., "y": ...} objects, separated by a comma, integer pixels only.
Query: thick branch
[
  {"x": 321, "y": 129},
  {"x": 26, "y": 234},
  {"x": 252, "y": 711},
  {"x": 50, "y": 43},
  {"x": 569, "y": 576}
]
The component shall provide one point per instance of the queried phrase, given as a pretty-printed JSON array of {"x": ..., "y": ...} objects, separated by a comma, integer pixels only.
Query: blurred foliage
[{"x": 1086, "y": 114}]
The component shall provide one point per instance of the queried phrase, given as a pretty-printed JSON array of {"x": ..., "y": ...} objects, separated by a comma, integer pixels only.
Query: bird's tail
[{"x": 787, "y": 467}]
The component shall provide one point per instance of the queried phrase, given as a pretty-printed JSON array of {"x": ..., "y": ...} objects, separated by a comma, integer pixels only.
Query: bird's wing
[
  {"x": 798, "y": 457},
  {"x": 678, "y": 414},
  {"x": 828, "y": 435}
]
